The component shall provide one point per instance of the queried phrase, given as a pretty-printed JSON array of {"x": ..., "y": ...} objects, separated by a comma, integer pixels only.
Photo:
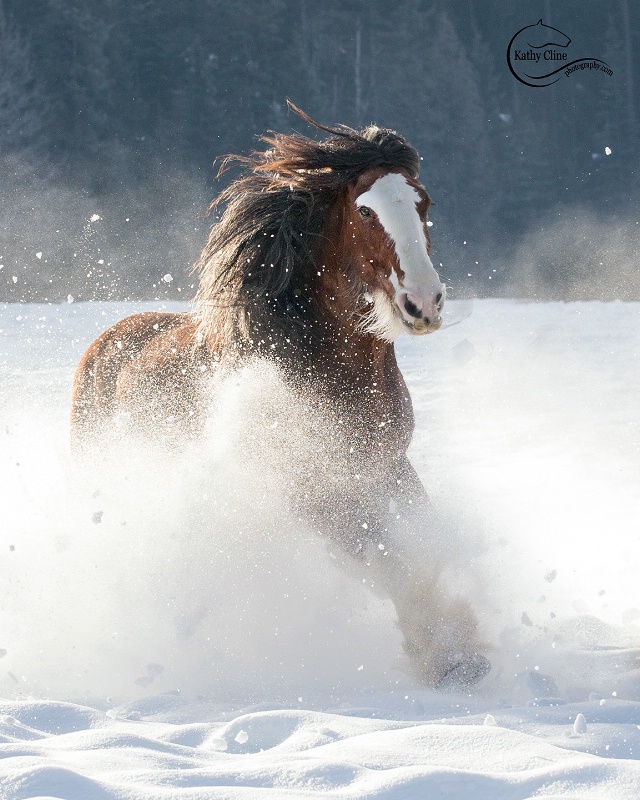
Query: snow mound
[{"x": 167, "y": 629}]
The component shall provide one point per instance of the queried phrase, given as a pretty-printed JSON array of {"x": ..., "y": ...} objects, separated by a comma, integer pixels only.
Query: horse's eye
[{"x": 364, "y": 211}]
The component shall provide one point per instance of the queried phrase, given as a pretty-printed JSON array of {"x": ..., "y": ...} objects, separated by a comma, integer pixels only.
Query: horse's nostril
[{"x": 412, "y": 308}]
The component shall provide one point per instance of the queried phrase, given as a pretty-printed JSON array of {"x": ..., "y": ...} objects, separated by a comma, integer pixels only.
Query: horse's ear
[{"x": 539, "y": 22}]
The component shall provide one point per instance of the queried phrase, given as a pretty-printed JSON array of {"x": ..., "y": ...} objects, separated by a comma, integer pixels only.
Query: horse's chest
[
  {"x": 374, "y": 408},
  {"x": 389, "y": 422},
  {"x": 375, "y": 424}
]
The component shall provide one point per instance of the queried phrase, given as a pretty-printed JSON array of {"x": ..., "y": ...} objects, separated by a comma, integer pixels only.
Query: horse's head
[
  {"x": 386, "y": 227},
  {"x": 322, "y": 236}
]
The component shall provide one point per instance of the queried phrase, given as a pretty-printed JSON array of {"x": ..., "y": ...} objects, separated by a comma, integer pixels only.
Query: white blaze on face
[{"x": 394, "y": 201}]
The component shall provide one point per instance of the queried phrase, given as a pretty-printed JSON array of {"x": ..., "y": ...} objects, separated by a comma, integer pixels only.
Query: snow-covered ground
[{"x": 169, "y": 632}]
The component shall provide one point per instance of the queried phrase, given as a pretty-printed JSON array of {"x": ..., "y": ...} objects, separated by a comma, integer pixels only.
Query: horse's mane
[{"x": 256, "y": 270}]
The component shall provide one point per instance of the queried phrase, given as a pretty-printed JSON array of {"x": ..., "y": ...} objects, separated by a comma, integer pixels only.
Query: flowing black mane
[{"x": 257, "y": 267}]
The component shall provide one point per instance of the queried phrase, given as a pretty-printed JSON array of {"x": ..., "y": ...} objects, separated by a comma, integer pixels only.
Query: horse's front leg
[{"x": 439, "y": 628}]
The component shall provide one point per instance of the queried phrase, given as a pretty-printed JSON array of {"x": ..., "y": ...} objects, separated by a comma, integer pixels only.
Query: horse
[{"x": 319, "y": 260}]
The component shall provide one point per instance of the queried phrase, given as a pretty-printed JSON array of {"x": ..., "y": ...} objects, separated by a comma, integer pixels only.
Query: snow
[
  {"x": 580, "y": 725},
  {"x": 171, "y": 632}
]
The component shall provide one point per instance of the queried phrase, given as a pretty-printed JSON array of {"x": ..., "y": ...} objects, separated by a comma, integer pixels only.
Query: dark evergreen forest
[{"x": 113, "y": 111}]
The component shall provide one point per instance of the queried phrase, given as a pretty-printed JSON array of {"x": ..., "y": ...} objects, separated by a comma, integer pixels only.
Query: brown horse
[{"x": 321, "y": 258}]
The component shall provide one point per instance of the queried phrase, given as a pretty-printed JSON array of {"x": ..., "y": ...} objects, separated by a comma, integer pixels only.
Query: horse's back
[{"x": 145, "y": 368}]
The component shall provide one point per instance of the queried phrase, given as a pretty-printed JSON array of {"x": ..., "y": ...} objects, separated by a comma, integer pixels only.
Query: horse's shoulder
[
  {"x": 163, "y": 344},
  {"x": 149, "y": 324}
]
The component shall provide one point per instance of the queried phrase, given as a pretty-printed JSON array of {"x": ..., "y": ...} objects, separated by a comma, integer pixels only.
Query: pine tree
[{"x": 23, "y": 106}]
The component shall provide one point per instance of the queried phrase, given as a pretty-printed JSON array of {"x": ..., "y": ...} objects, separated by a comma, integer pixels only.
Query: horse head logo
[
  {"x": 541, "y": 35},
  {"x": 536, "y": 54}
]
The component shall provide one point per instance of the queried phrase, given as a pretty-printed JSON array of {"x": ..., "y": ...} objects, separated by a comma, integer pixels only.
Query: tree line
[{"x": 116, "y": 109}]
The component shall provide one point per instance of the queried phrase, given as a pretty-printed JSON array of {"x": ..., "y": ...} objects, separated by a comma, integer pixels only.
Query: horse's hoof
[{"x": 466, "y": 673}]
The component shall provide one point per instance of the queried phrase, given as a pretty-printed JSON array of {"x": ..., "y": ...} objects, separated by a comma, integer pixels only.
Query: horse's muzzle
[
  {"x": 422, "y": 327},
  {"x": 420, "y": 314}
]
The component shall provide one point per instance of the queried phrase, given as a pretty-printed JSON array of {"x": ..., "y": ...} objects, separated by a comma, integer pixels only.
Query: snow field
[{"x": 171, "y": 631}]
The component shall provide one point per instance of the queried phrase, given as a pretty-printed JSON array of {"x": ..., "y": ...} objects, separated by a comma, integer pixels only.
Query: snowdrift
[{"x": 168, "y": 630}]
